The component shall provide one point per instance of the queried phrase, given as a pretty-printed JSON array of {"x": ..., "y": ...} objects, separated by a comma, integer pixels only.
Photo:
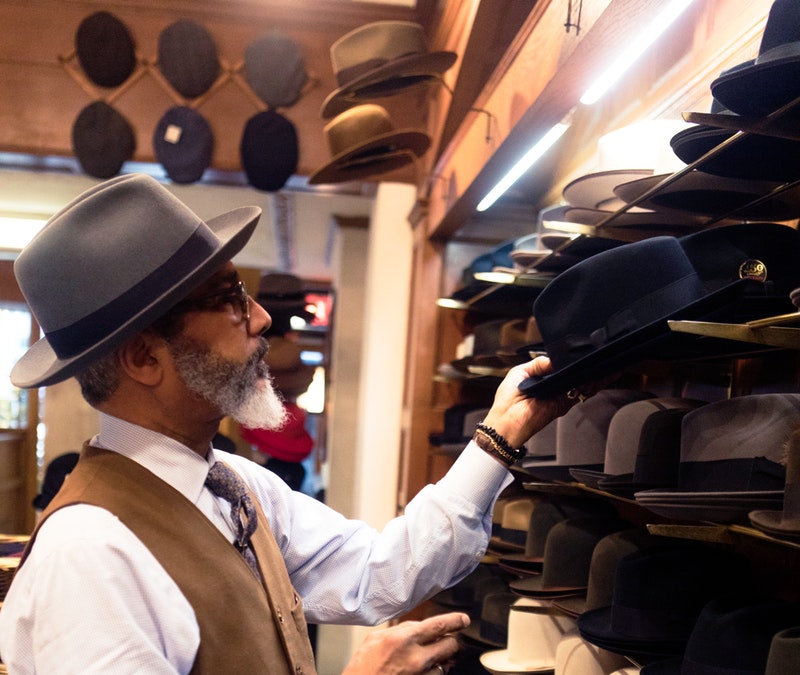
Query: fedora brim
[
  {"x": 40, "y": 366},
  {"x": 378, "y": 155},
  {"x": 750, "y": 157},
  {"x": 499, "y": 662},
  {"x": 629, "y": 349},
  {"x": 778, "y": 128},
  {"x": 771, "y": 521},
  {"x": 596, "y": 190},
  {"x": 389, "y": 79},
  {"x": 707, "y": 194},
  {"x": 667, "y": 222},
  {"x": 760, "y": 89}
]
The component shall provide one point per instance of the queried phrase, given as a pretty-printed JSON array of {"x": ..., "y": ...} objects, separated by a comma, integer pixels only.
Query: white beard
[{"x": 234, "y": 388}]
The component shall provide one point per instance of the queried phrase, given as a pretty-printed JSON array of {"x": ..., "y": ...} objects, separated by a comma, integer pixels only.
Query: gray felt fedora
[{"x": 110, "y": 263}]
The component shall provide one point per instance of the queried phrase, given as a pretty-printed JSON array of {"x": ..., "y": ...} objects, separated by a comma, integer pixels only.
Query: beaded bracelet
[{"x": 489, "y": 440}]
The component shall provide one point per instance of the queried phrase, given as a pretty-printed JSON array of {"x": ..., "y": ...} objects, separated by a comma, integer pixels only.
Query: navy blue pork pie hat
[
  {"x": 102, "y": 140},
  {"x": 773, "y": 80},
  {"x": 269, "y": 150},
  {"x": 105, "y": 49},
  {"x": 187, "y": 57},
  {"x": 183, "y": 143},
  {"x": 611, "y": 310},
  {"x": 274, "y": 67}
]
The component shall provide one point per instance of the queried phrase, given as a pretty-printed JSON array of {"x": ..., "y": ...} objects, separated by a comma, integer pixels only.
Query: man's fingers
[{"x": 435, "y": 627}]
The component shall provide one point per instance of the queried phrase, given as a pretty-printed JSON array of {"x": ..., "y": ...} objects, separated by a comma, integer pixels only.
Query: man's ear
[{"x": 141, "y": 357}]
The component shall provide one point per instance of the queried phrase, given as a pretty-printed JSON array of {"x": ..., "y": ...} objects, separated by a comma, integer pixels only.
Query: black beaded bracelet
[{"x": 498, "y": 445}]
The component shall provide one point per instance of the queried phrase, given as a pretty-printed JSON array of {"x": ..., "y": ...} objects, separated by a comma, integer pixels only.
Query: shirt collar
[{"x": 170, "y": 460}]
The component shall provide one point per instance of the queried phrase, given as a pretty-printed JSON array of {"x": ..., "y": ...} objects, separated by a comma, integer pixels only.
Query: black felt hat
[
  {"x": 102, "y": 140},
  {"x": 183, "y": 143},
  {"x": 105, "y": 49},
  {"x": 592, "y": 330},
  {"x": 269, "y": 150},
  {"x": 187, "y": 56},
  {"x": 773, "y": 80}
]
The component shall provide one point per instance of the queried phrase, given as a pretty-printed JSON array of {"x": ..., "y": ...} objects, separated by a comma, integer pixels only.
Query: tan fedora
[
  {"x": 363, "y": 142},
  {"x": 381, "y": 59}
]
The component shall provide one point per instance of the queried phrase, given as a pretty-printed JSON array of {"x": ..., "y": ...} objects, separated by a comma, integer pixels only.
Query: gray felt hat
[{"x": 110, "y": 263}]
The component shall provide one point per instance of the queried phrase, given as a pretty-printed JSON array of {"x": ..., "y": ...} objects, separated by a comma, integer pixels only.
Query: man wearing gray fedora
[{"x": 163, "y": 555}]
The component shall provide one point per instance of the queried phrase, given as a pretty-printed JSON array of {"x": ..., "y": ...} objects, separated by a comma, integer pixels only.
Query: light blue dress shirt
[{"x": 91, "y": 598}]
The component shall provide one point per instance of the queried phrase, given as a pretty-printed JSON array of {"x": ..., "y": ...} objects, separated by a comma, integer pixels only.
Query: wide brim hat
[
  {"x": 102, "y": 140},
  {"x": 750, "y": 157},
  {"x": 275, "y": 69},
  {"x": 567, "y": 557},
  {"x": 582, "y": 434},
  {"x": 681, "y": 578},
  {"x": 187, "y": 57},
  {"x": 184, "y": 144},
  {"x": 714, "y": 196},
  {"x": 638, "y": 222},
  {"x": 772, "y": 80},
  {"x": 105, "y": 49},
  {"x": 381, "y": 59},
  {"x": 269, "y": 150},
  {"x": 111, "y": 262},
  {"x": 606, "y": 328},
  {"x": 732, "y": 636},
  {"x": 363, "y": 142},
  {"x": 627, "y": 432}
]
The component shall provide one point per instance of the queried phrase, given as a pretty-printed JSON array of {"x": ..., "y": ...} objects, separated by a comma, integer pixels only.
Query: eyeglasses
[{"x": 234, "y": 295}]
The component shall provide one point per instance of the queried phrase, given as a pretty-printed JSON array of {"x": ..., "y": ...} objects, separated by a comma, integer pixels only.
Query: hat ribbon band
[
  {"x": 731, "y": 475},
  {"x": 646, "y": 623},
  {"x": 632, "y": 317},
  {"x": 80, "y": 335},
  {"x": 347, "y": 75}
]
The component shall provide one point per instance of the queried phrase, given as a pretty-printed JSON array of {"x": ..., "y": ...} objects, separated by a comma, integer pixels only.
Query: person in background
[{"x": 161, "y": 554}]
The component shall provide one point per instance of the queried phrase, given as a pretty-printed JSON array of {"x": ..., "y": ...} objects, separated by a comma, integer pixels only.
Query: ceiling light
[
  {"x": 635, "y": 49},
  {"x": 527, "y": 161}
]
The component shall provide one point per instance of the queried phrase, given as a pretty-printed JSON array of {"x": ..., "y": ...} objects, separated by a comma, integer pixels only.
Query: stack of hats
[
  {"x": 377, "y": 60},
  {"x": 732, "y": 460}
]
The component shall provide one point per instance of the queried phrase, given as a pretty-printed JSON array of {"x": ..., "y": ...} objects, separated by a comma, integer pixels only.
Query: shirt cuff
[{"x": 484, "y": 476}]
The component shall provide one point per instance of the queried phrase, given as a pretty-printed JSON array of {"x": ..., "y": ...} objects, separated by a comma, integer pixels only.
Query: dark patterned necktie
[{"x": 226, "y": 483}]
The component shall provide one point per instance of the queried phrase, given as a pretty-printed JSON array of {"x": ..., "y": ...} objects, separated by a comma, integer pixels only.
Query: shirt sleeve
[
  {"x": 130, "y": 618},
  {"x": 348, "y": 572}
]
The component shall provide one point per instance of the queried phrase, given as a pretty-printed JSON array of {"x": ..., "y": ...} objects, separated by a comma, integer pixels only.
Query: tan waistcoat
[{"x": 245, "y": 626}]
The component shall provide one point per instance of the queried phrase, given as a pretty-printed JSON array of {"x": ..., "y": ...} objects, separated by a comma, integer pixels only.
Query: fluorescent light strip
[
  {"x": 527, "y": 161},
  {"x": 627, "y": 58}
]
